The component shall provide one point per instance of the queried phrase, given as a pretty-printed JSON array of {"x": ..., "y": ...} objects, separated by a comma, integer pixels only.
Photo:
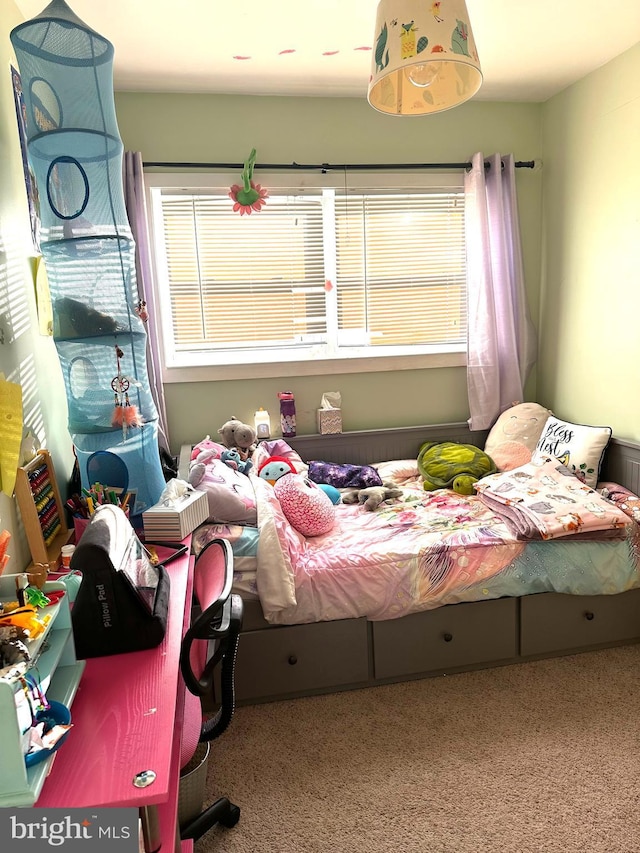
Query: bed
[{"x": 300, "y": 638}]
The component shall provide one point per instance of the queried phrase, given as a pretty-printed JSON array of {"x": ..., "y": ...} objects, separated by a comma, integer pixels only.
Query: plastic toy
[{"x": 249, "y": 196}]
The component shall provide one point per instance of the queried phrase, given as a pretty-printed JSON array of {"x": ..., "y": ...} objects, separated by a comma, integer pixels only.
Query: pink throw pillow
[{"x": 305, "y": 505}]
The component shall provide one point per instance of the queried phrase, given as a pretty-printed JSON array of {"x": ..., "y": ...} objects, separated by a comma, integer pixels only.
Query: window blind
[
  {"x": 244, "y": 281},
  {"x": 401, "y": 269},
  {"x": 326, "y": 269}
]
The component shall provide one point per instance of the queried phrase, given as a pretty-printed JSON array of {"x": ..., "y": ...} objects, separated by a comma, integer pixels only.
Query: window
[{"x": 321, "y": 272}]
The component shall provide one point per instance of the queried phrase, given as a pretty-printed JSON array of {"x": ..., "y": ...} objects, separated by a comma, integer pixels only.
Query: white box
[
  {"x": 329, "y": 421},
  {"x": 172, "y": 523}
]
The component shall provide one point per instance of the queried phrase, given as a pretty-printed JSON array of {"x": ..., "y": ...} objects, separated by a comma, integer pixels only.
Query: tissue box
[
  {"x": 329, "y": 421},
  {"x": 172, "y": 523}
]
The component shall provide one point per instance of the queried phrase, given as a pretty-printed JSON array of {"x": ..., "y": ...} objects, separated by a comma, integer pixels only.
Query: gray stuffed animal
[
  {"x": 373, "y": 496},
  {"x": 236, "y": 434}
]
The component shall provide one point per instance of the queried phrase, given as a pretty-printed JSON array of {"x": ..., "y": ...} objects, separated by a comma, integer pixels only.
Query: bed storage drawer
[
  {"x": 453, "y": 636},
  {"x": 552, "y": 622},
  {"x": 298, "y": 658}
]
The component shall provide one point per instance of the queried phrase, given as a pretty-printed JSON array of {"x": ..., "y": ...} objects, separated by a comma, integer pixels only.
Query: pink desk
[{"x": 127, "y": 719}]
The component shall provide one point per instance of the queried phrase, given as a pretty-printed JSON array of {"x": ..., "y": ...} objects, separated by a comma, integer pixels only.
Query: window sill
[{"x": 322, "y": 367}]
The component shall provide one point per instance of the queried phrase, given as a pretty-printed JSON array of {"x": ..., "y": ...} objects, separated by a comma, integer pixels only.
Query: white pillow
[
  {"x": 398, "y": 470},
  {"x": 580, "y": 448}
]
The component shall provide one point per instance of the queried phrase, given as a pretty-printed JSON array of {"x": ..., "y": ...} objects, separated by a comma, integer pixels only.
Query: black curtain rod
[{"x": 325, "y": 167}]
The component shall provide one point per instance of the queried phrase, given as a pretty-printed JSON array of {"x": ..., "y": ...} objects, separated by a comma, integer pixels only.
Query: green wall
[
  {"x": 589, "y": 358},
  {"x": 26, "y": 357},
  {"x": 209, "y": 128}
]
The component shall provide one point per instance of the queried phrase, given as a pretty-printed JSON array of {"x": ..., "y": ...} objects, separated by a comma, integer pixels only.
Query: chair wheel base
[
  {"x": 232, "y": 817},
  {"x": 223, "y": 811}
]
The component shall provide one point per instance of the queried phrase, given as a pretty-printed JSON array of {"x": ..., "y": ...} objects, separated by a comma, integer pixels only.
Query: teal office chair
[{"x": 210, "y": 642}]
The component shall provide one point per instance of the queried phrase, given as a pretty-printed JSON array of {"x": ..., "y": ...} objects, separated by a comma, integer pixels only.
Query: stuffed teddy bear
[
  {"x": 232, "y": 458},
  {"x": 373, "y": 496},
  {"x": 236, "y": 434}
]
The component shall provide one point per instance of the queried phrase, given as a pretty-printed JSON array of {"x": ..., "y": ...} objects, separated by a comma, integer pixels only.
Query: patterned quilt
[
  {"x": 545, "y": 500},
  {"x": 422, "y": 551}
]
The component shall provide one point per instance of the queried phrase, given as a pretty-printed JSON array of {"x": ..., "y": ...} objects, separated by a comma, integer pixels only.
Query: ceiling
[{"x": 529, "y": 49}]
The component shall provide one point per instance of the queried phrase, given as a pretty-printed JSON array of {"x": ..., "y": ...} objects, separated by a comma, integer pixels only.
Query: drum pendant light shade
[{"x": 424, "y": 57}]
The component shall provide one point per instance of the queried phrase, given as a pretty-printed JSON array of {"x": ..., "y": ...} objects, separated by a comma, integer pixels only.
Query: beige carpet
[{"x": 542, "y": 757}]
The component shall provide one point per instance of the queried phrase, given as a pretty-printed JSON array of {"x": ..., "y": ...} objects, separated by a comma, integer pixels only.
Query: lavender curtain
[
  {"x": 501, "y": 341},
  {"x": 136, "y": 204}
]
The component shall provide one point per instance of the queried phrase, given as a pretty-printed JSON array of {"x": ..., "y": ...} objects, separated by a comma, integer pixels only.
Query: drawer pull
[
  {"x": 293, "y": 660},
  {"x": 589, "y": 615},
  {"x": 447, "y": 637}
]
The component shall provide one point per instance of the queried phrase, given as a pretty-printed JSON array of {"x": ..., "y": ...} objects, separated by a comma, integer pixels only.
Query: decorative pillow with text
[{"x": 580, "y": 448}]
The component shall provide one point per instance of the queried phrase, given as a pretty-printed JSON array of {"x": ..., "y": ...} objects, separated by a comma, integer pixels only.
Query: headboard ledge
[{"x": 365, "y": 447}]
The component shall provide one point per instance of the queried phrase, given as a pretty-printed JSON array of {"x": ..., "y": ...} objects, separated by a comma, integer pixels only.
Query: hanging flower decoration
[{"x": 249, "y": 196}]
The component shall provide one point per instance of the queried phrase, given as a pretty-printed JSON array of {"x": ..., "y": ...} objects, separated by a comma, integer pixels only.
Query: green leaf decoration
[
  {"x": 381, "y": 43},
  {"x": 459, "y": 38}
]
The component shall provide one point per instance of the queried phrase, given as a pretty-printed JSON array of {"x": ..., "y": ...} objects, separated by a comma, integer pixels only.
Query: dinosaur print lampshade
[{"x": 424, "y": 57}]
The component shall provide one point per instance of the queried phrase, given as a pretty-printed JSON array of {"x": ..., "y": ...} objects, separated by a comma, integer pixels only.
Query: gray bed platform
[{"x": 280, "y": 662}]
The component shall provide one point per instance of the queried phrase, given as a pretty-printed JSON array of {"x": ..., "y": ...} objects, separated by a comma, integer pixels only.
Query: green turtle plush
[{"x": 447, "y": 465}]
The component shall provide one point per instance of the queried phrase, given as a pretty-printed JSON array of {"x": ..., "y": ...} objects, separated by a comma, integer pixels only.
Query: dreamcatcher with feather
[{"x": 125, "y": 413}]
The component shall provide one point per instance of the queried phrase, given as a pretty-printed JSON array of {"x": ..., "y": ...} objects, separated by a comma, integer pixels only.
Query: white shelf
[{"x": 54, "y": 665}]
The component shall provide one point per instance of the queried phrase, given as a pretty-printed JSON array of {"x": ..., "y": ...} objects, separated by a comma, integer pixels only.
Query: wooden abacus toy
[{"x": 42, "y": 514}]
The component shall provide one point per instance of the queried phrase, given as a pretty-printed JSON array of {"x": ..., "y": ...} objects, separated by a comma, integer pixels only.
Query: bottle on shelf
[{"x": 287, "y": 414}]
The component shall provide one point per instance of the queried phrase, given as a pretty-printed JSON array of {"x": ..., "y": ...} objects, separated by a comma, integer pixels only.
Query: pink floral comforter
[
  {"x": 406, "y": 556},
  {"x": 423, "y": 551}
]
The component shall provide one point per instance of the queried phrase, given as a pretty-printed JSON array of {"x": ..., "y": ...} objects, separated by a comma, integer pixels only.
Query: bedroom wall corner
[{"x": 590, "y": 300}]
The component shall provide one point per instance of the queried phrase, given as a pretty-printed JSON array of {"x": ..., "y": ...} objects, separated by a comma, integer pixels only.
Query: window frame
[{"x": 182, "y": 369}]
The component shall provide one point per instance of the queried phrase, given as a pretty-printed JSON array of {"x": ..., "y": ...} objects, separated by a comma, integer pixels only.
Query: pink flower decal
[{"x": 244, "y": 204}]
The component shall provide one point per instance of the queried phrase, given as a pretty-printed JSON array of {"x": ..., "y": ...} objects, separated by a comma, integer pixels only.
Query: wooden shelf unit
[{"x": 43, "y": 516}]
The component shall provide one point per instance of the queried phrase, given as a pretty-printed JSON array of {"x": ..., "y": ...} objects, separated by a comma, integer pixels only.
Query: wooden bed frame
[{"x": 281, "y": 662}]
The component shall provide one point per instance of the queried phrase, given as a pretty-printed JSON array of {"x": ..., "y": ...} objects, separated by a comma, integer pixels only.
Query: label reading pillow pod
[
  {"x": 123, "y": 601},
  {"x": 580, "y": 448}
]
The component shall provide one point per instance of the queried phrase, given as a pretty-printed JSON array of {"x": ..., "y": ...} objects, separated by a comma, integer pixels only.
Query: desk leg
[{"x": 150, "y": 828}]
